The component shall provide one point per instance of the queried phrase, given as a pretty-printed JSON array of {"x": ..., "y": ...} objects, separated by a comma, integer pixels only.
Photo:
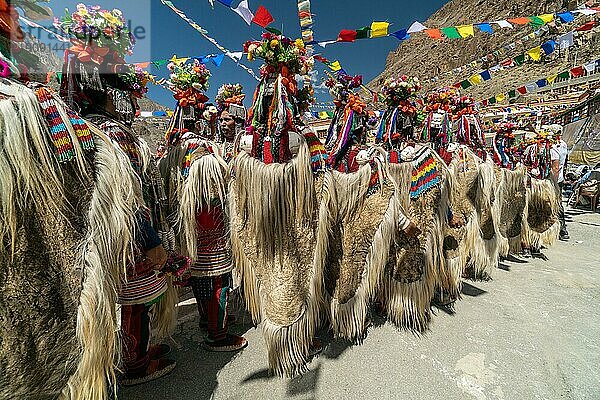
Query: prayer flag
[
  {"x": 416, "y": 27},
  {"x": 451, "y": 32},
  {"x": 347, "y": 35},
  {"x": 379, "y": 29},
  {"x": 541, "y": 83},
  {"x": 262, "y": 17},
  {"x": 564, "y": 75},
  {"x": 577, "y": 72},
  {"x": 434, "y": 33},
  {"x": 586, "y": 27},
  {"x": 457, "y": 85},
  {"x": 465, "y": 30},
  {"x": 503, "y": 23},
  {"x": 274, "y": 31},
  {"x": 520, "y": 59},
  {"x": 547, "y": 18},
  {"x": 485, "y": 75},
  {"x": 218, "y": 59},
  {"x": 143, "y": 65},
  {"x": 492, "y": 100},
  {"x": 325, "y": 43},
  {"x": 520, "y": 20},
  {"x": 236, "y": 55},
  {"x": 590, "y": 67},
  {"x": 226, "y": 2},
  {"x": 565, "y": 41},
  {"x": 500, "y": 97},
  {"x": 512, "y": 94},
  {"x": 565, "y": 17},
  {"x": 363, "y": 32},
  {"x": 335, "y": 66},
  {"x": 531, "y": 87},
  {"x": 551, "y": 79},
  {"x": 475, "y": 79},
  {"x": 485, "y": 27},
  {"x": 536, "y": 21},
  {"x": 465, "y": 84},
  {"x": 586, "y": 11},
  {"x": 522, "y": 90},
  {"x": 402, "y": 34},
  {"x": 549, "y": 46},
  {"x": 535, "y": 53}
]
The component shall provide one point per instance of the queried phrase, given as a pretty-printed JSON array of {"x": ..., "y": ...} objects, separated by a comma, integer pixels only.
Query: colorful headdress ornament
[
  {"x": 230, "y": 94},
  {"x": 277, "y": 100},
  {"x": 188, "y": 81},
  {"x": 397, "y": 121}
]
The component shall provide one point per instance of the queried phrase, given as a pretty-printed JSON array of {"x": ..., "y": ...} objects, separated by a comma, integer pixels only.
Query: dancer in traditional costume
[
  {"x": 437, "y": 127},
  {"x": 66, "y": 227},
  {"x": 273, "y": 207},
  {"x": 107, "y": 99},
  {"x": 195, "y": 162},
  {"x": 542, "y": 226},
  {"x": 467, "y": 126},
  {"x": 232, "y": 118},
  {"x": 357, "y": 216}
]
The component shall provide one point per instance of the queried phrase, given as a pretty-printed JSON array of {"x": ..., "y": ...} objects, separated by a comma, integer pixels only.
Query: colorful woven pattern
[
  {"x": 126, "y": 142},
  {"x": 142, "y": 289},
  {"x": 187, "y": 160},
  {"x": 426, "y": 174},
  {"x": 318, "y": 155},
  {"x": 58, "y": 127}
]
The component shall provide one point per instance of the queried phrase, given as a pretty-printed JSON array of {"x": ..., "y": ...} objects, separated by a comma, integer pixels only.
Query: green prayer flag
[
  {"x": 273, "y": 30},
  {"x": 564, "y": 75},
  {"x": 520, "y": 59},
  {"x": 536, "y": 22},
  {"x": 59, "y": 76},
  {"x": 363, "y": 33},
  {"x": 465, "y": 84},
  {"x": 492, "y": 100},
  {"x": 512, "y": 93},
  {"x": 451, "y": 32}
]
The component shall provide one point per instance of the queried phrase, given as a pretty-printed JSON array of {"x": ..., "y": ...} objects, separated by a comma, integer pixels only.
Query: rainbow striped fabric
[
  {"x": 318, "y": 155},
  {"x": 426, "y": 174},
  {"x": 58, "y": 127},
  {"x": 142, "y": 289}
]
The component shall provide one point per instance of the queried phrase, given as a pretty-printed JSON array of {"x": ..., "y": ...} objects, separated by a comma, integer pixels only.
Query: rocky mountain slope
[{"x": 426, "y": 58}]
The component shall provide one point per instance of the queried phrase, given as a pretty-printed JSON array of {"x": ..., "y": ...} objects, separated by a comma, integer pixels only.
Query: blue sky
[{"x": 166, "y": 34}]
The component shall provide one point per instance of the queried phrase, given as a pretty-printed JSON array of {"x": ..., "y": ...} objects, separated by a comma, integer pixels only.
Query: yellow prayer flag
[
  {"x": 379, "y": 29},
  {"x": 476, "y": 79},
  {"x": 551, "y": 79},
  {"x": 535, "y": 53},
  {"x": 178, "y": 61},
  {"x": 465, "y": 30},
  {"x": 547, "y": 18},
  {"x": 323, "y": 115},
  {"x": 335, "y": 66},
  {"x": 500, "y": 97}
]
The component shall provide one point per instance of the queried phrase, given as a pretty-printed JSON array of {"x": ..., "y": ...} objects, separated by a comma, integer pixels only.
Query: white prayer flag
[
  {"x": 416, "y": 27},
  {"x": 243, "y": 11},
  {"x": 503, "y": 23}
]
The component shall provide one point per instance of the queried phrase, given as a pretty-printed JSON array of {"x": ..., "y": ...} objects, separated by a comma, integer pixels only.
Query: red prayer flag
[
  {"x": 577, "y": 72},
  {"x": 457, "y": 85},
  {"x": 321, "y": 59},
  {"x": 522, "y": 90},
  {"x": 262, "y": 17},
  {"x": 520, "y": 21},
  {"x": 434, "y": 33},
  {"x": 484, "y": 102},
  {"x": 586, "y": 27},
  {"x": 347, "y": 35}
]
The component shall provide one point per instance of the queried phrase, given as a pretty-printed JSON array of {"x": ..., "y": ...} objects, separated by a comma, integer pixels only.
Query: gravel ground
[{"x": 533, "y": 332}]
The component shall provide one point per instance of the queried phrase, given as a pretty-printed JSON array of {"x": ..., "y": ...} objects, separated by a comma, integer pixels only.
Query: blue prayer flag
[
  {"x": 218, "y": 59},
  {"x": 485, "y": 75},
  {"x": 485, "y": 27},
  {"x": 402, "y": 34},
  {"x": 565, "y": 17},
  {"x": 549, "y": 46},
  {"x": 228, "y": 3}
]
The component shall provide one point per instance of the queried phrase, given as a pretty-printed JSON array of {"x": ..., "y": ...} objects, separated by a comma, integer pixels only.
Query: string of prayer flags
[
  {"x": 306, "y": 23},
  {"x": 379, "y": 29}
]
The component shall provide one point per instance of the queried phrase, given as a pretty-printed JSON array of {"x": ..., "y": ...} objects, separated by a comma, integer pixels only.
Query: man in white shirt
[{"x": 558, "y": 155}]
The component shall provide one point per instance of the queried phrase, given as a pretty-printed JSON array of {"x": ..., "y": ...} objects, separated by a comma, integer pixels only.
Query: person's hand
[
  {"x": 155, "y": 258},
  {"x": 456, "y": 222},
  {"x": 411, "y": 230}
]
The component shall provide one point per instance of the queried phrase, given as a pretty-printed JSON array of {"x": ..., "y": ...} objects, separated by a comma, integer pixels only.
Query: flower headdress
[
  {"x": 342, "y": 85},
  {"x": 99, "y": 36},
  {"x": 230, "y": 94},
  {"x": 277, "y": 102},
  {"x": 136, "y": 80},
  {"x": 188, "y": 81},
  {"x": 399, "y": 90}
]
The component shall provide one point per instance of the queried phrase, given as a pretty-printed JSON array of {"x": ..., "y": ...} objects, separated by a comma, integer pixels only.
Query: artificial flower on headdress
[
  {"x": 96, "y": 34},
  {"x": 188, "y": 81},
  {"x": 230, "y": 94},
  {"x": 279, "y": 52},
  {"x": 342, "y": 85},
  {"x": 398, "y": 91},
  {"x": 136, "y": 80}
]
